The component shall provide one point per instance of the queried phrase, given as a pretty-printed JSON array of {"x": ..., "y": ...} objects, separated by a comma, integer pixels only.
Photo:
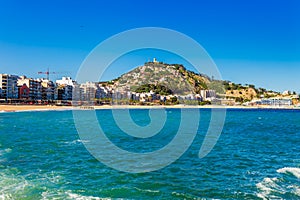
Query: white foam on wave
[
  {"x": 15, "y": 186},
  {"x": 11, "y": 184},
  {"x": 183, "y": 195},
  {"x": 81, "y": 197},
  {"x": 70, "y": 195},
  {"x": 5, "y": 196},
  {"x": 3, "y": 152},
  {"x": 267, "y": 186},
  {"x": 76, "y": 142},
  {"x": 274, "y": 185},
  {"x": 147, "y": 190},
  {"x": 7, "y": 150},
  {"x": 52, "y": 177},
  {"x": 293, "y": 170}
]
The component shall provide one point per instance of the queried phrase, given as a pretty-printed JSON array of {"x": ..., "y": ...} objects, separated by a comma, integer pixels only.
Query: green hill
[
  {"x": 172, "y": 76},
  {"x": 176, "y": 79}
]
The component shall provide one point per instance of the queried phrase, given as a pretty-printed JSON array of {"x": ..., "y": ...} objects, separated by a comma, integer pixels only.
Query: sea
[{"x": 257, "y": 156}]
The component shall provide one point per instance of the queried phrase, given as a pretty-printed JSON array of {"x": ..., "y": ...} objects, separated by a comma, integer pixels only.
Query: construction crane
[{"x": 47, "y": 73}]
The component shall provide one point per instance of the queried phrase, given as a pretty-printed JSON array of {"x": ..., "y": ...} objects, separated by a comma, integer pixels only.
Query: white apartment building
[
  {"x": 208, "y": 95},
  {"x": 90, "y": 91},
  {"x": 65, "y": 87}
]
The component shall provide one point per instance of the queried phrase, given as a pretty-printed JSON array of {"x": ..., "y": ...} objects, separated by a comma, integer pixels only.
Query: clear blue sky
[{"x": 250, "y": 41}]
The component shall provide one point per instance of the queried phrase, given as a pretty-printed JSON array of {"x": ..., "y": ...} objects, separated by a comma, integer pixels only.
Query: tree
[
  {"x": 174, "y": 100},
  {"x": 251, "y": 86},
  {"x": 157, "y": 89}
]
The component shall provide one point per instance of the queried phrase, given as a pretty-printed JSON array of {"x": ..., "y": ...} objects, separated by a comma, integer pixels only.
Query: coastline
[
  {"x": 193, "y": 107},
  {"x": 21, "y": 108}
]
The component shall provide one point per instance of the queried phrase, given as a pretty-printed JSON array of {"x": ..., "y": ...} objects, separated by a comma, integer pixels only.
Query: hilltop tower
[{"x": 154, "y": 60}]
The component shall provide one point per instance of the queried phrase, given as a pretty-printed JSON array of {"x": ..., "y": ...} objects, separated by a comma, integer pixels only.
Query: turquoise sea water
[{"x": 256, "y": 157}]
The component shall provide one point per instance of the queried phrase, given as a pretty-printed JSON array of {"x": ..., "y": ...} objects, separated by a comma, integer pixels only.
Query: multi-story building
[
  {"x": 64, "y": 92},
  {"x": 8, "y": 86},
  {"x": 24, "y": 92},
  {"x": 48, "y": 90},
  {"x": 64, "y": 89},
  {"x": 35, "y": 87},
  {"x": 208, "y": 95},
  {"x": 65, "y": 81},
  {"x": 90, "y": 91},
  {"x": 105, "y": 92}
]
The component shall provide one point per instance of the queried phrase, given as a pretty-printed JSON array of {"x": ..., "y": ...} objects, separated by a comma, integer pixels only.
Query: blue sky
[{"x": 250, "y": 41}]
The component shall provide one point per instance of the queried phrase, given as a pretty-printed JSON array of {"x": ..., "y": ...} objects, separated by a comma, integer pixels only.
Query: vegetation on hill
[
  {"x": 157, "y": 89},
  {"x": 173, "y": 76},
  {"x": 165, "y": 79},
  {"x": 247, "y": 92},
  {"x": 197, "y": 81},
  {"x": 156, "y": 74}
]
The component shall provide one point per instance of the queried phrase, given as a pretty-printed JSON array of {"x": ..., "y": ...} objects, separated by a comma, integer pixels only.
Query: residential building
[
  {"x": 208, "y": 95},
  {"x": 65, "y": 81},
  {"x": 90, "y": 91},
  {"x": 24, "y": 92},
  {"x": 8, "y": 86},
  {"x": 64, "y": 89},
  {"x": 48, "y": 90},
  {"x": 34, "y": 86},
  {"x": 274, "y": 101}
]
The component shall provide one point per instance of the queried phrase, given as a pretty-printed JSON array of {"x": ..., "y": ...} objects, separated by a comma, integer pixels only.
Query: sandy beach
[{"x": 15, "y": 108}]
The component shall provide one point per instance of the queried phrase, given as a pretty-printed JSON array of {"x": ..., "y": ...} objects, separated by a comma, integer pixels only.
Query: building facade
[
  {"x": 35, "y": 87},
  {"x": 48, "y": 90},
  {"x": 208, "y": 95},
  {"x": 8, "y": 86},
  {"x": 90, "y": 91},
  {"x": 64, "y": 89},
  {"x": 24, "y": 92}
]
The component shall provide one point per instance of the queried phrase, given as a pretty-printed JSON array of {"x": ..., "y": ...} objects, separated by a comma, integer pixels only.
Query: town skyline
[
  {"x": 53, "y": 76},
  {"x": 153, "y": 83},
  {"x": 249, "y": 43}
]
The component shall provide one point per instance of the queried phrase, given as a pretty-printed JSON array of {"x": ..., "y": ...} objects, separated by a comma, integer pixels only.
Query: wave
[
  {"x": 267, "y": 187},
  {"x": 281, "y": 187},
  {"x": 72, "y": 195},
  {"x": 11, "y": 184},
  {"x": 76, "y": 142},
  {"x": 292, "y": 170},
  {"x": 180, "y": 195},
  {"x": 2, "y": 154},
  {"x": 68, "y": 195},
  {"x": 15, "y": 186},
  {"x": 147, "y": 190}
]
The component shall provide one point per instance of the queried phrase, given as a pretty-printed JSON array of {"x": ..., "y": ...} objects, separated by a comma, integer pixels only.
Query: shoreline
[{"x": 23, "y": 108}]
